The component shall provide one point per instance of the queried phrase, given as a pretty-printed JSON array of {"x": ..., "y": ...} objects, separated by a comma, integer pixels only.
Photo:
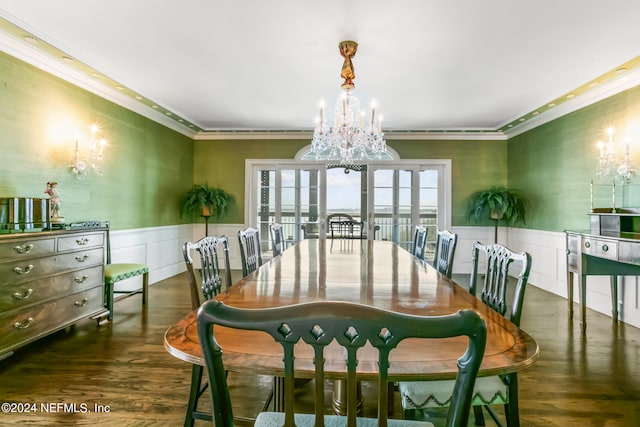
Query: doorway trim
[{"x": 443, "y": 165}]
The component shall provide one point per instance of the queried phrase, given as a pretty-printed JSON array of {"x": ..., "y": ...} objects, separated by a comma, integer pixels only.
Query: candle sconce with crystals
[
  {"x": 88, "y": 155},
  {"x": 609, "y": 165}
]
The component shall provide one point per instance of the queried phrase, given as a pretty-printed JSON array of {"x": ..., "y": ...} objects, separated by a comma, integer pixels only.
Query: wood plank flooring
[{"x": 120, "y": 375}]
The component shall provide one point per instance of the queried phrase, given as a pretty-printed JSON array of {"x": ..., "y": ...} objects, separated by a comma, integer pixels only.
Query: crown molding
[
  {"x": 389, "y": 136},
  {"x": 624, "y": 82},
  {"x": 34, "y": 56}
]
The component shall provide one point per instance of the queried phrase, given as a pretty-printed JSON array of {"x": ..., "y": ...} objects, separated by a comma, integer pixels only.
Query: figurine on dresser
[{"x": 56, "y": 215}]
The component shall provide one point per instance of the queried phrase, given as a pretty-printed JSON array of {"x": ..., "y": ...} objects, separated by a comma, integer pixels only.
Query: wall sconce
[
  {"x": 609, "y": 164},
  {"x": 93, "y": 159}
]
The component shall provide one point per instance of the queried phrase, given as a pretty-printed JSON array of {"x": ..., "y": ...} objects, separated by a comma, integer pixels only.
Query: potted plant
[
  {"x": 205, "y": 202},
  {"x": 497, "y": 203}
]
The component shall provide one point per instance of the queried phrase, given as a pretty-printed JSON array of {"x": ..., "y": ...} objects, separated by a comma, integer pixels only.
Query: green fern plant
[
  {"x": 497, "y": 203},
  {"x": 204, "y": 201}
]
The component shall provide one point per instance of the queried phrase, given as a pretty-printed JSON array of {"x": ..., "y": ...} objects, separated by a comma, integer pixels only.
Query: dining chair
[
  {"x": 210, "y": 284},
  {"x": 500, "y": 263},
  {"x": 351, "y": 326},
  {"x": 344, "y": 226},
  {"x": 419, "y": 242},
  {"x": 116, "y": 272},
  {"x": 277, "y": 239},
  {"x": 445, "y": 251},
  {"x": 250, "y": 252}
]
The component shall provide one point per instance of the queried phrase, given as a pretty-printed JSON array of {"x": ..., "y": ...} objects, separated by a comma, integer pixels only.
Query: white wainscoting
[
  {"x": 158, "y": 247},
  {"x": 161, "y": 249},
  {"x": 549, "y": 268}
]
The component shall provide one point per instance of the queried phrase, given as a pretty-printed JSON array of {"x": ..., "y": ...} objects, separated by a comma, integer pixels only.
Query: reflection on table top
[{"x": 376, "y": 273}]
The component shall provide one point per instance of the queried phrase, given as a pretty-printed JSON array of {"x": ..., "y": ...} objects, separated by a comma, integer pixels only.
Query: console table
[
  {"x": 48, "y": 281},
  {"x": 611, "y": 248}
]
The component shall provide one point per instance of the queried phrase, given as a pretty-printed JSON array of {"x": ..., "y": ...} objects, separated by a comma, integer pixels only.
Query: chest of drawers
[{"x": 48, "y": 281}]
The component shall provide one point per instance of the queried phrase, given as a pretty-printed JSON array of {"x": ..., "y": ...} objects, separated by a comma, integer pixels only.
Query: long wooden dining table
[{"x": 375, "y": 273}]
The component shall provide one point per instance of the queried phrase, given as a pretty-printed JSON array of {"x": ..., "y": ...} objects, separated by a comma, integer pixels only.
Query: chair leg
[
  {"x": 108, "y": 296},
  {"x": 511, "y": 410},
  {"x": 493, "y": 415},
  {"x": 194, "y": 392},
  {"x": 145, "y": 287},
  {"x": 478, "y": 415}
]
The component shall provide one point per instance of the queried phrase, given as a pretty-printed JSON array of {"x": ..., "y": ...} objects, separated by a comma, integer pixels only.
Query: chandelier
[
  {"x": 352, "y": 138},
  {"x": 609, "y": 164}
]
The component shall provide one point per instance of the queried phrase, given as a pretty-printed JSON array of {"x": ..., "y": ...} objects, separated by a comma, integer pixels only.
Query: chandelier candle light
[
  {"x": 95, "y": 157},
  {"x": 348, "y": 140}
]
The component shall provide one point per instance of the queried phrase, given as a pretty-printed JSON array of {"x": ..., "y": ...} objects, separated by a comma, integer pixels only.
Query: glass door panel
[
  {"x": 381, "y": 205},
  {"x": 290, "y": 196},
  {"x": 428, "y": 215},
  {"x": 300, "y": 204},
  {"x": 391, "y": 200},
  {"x": 404, "y": 215},
  {"x": 403, "y": 197},
  {"x": 267, "y": 204},
  {"x": 391, "y": 206}
]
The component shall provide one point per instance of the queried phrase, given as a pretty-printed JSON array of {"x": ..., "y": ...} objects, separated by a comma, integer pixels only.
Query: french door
[
  {"x": 394, "y": 198},
  {"x": 290, "y": 193},
  {"x": 403, "y": 196}
]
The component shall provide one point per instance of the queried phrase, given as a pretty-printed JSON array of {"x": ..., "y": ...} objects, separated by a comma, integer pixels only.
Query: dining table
[{"x": 371, "y": 272}]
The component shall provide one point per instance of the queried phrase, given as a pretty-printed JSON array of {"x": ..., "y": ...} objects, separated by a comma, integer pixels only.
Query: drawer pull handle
[
  {"x": 24, "y": 249},
  {"x": 81, "y": 279},
  {"x": 82, "y": 258},
  {"x": 22, "y": 296},
  {"x": 81, "y": 303},
  {"x": 587, "y": 244},
  {"x": 26, "y": 270},
  {"x": 82, "y": 242},
  {"x": 605, "y": 248},
  {"x": 24, "y": 324}
]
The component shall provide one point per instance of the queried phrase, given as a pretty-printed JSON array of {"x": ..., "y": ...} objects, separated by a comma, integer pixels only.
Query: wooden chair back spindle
[
  {"x": 446, "y": 243},
  {"x": 250, "y": 252},
  {"x": 211, "y": 283},
  {"x": 501, "y": 263},
  {"x": 419, "y": 242},
  {"x": 277, "y": 239}
]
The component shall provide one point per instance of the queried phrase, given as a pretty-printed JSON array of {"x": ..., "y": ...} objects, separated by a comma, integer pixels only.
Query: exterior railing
[{"x": 399, "y": 231}]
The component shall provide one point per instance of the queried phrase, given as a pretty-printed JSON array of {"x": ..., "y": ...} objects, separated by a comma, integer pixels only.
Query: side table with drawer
[{"x": 49, "y": 280}]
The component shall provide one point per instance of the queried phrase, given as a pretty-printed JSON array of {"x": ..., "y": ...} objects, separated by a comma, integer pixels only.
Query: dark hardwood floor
[{"x": 120, "y": 375}]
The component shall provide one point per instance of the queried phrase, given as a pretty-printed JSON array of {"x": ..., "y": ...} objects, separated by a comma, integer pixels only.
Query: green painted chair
[
  {"x": 419, "y": 242},
  {"x": 352, "y": 326},
  {"x": 446, "y": 243},
  {"x": 209, "y": 285},
  {"x": 250, "y": 252},
  {"x": 277, "y": 239},
  {"x": 116, "y": 272},
  {"x": 418, "y": 396}
]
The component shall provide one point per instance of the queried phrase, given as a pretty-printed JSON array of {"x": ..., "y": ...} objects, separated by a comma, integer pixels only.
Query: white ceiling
[{"x": 264, "y": 65}]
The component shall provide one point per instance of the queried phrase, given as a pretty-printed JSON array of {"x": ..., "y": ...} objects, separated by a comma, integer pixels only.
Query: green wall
[
  {"x": 475, "y": 164},
  {"x": 555, "y": 162},
  {"x": 147, "y": 166}
]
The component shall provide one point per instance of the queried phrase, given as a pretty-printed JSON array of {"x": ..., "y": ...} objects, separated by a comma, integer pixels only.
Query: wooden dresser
[{"x": 48, "y": 281}]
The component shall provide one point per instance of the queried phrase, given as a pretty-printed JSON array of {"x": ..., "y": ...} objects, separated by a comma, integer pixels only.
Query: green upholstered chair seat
[
  {"x": 434, "y": 394},
  {"x": 121, "y": 271},
  {"x": 276, "y": 419},
  {"x": 117, "y": 272}
]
